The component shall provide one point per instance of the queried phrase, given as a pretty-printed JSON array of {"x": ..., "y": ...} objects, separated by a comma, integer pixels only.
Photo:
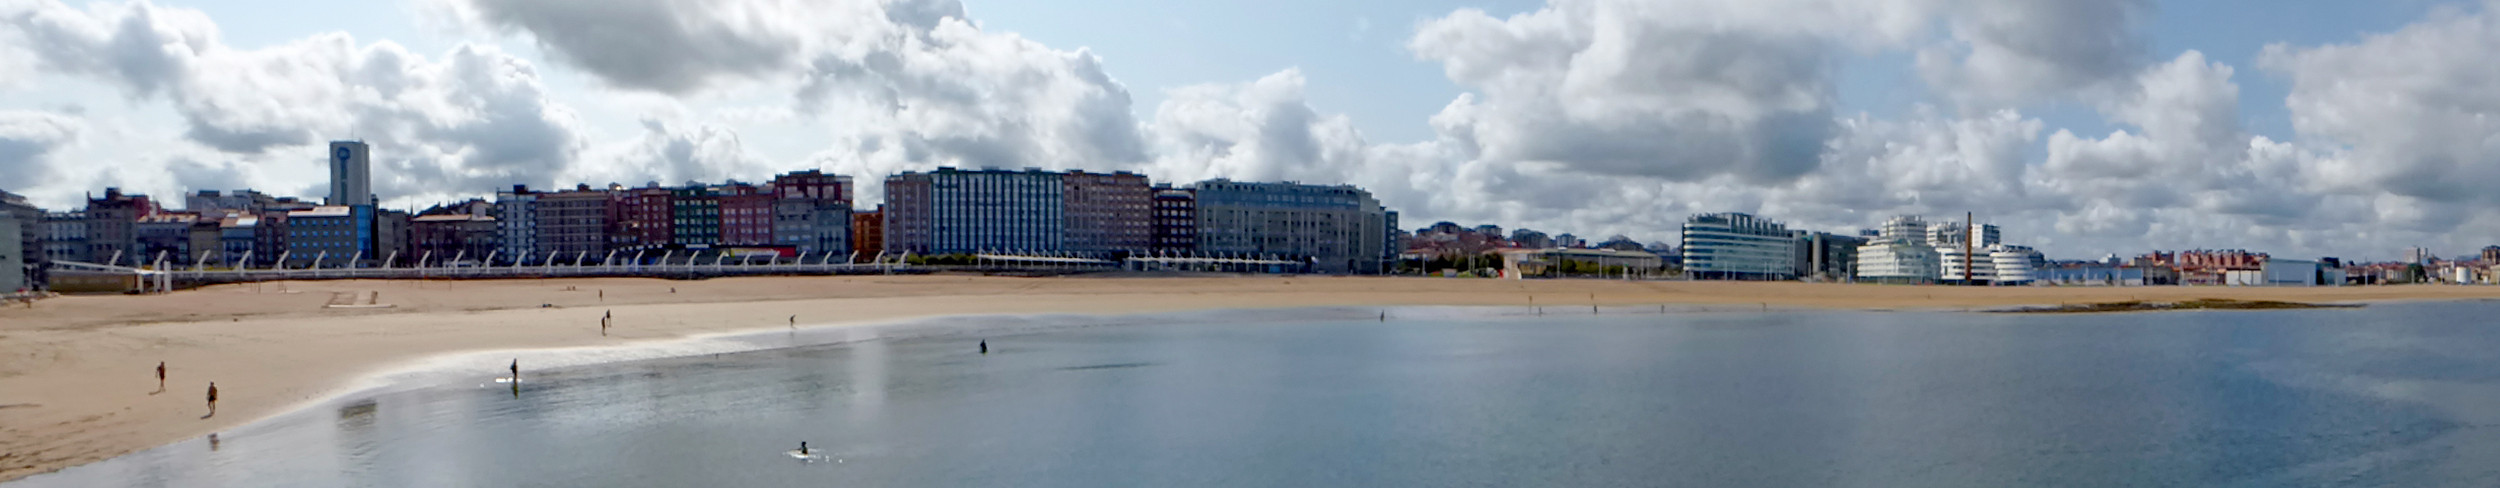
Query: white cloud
[
  {"x": 1596, "y": 117},
  {"x": 475, "y": 118},
  {"x": 1262, "y": 130},
  {"x": 902, "y": 84},
  {"x": 669, "y": 153},
  {"x": 28, "y": 140},
  {"x": 2411, "y": 110}
]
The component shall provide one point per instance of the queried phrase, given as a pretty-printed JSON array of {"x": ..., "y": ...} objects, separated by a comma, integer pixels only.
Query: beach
[{"x": 77, "y": 372}]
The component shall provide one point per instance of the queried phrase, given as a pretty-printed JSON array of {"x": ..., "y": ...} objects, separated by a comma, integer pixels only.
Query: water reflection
[{"x": 2393, "y": 396}]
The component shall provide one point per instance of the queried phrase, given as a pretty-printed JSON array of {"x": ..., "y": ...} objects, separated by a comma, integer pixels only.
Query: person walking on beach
[
  {"x": 212, "y": 399},
  {"x": 794, "y": 322},
  {"x": 160, "y": 376}
]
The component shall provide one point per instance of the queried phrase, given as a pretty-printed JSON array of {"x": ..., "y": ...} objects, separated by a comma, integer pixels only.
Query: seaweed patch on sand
[{"x": 2196, "y": 304}]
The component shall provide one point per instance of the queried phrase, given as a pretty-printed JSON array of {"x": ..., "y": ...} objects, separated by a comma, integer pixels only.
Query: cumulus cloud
[
  {"x": 671, "y": 153},
  {"x": 1596, "y": 117},
  {"x": 2409, "y": 111},
  {"x": 2006, "y": 53},
  {"x": 1630, "y": 88},
  {"x": 474, "y": 118},
  {"x": 27, "y": 141},
  {"x": 904, "y": 84},
  {"x": 1262, "y": 130}
]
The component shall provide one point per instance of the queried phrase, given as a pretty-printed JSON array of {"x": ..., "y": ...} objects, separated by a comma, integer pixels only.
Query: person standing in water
[
  {"x": 985, "y": 346},
  {"x": 802, "y": 448},
  {"x": 212, "y": 399},
  {"x": 516, "y": 371}
]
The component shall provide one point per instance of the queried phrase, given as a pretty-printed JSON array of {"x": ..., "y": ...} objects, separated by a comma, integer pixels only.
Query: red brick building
[
  {"x": 1108, "y": 213},
  {"x": 746, "y": 213},
  {"x": 644, "y": 217},
  {"x": 868, "y": 232}
]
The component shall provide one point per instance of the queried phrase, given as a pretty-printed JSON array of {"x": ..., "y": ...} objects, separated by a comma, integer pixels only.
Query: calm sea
[{"x": 2399, "y": 394}]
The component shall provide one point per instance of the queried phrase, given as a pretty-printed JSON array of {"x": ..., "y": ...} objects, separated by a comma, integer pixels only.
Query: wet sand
[{"x": 77, "y": 378}]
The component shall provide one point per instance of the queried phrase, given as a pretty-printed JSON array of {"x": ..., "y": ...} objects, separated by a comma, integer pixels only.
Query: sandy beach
[{"x": 77, "y": 373}]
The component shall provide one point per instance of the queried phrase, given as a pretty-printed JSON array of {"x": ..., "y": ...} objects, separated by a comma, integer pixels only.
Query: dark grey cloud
[
  {"x": 2012, "y": 52},
  {"x": 28, "y": 141},
  {"x": 670, "y": 46},
  {"x": 904, "y": 84},
  {"x": 201, "y": 175}
]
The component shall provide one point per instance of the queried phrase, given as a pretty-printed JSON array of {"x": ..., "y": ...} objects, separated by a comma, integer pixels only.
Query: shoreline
[{"x": 73, "y": 374}]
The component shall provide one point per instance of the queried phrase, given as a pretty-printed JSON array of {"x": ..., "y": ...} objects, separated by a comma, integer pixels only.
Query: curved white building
[
  {"x": 2016, "y": 265},
  {"x": 1897, "y": 261},
  {"x": 1950, "y": 261}
]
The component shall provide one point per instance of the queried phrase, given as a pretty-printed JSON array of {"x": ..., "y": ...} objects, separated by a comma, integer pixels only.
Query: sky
[{"x": 2081, "y": 127}]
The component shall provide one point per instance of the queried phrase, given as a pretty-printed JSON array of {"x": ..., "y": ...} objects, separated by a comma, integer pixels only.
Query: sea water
[{"x": 2393, "y": 394}]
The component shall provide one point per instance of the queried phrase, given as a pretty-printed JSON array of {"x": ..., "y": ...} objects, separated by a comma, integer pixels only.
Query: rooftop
[{"x": 322, "y": 211}]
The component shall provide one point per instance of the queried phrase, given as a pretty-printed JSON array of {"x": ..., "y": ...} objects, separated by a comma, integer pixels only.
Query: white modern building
[
  {"x": 1951, "y": 262},
  {"x": 1961, "y": 245},
  {"x": 1897, "y": 261},
  {"x": 2016, "y": 265},
  {"x": 351, "y": 173},
  {"x": 1955, "y": 233},
  {"x": 1909, "y": 228},
  {"x": 1737, "y": 246}
]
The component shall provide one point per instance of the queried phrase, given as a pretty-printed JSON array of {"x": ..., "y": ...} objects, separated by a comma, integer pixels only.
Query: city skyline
[{"x": 2090, "y": 127}]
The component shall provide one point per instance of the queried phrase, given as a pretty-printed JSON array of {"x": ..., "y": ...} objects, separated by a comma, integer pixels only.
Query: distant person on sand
[
  {"x": 160, "y": 376},
  {"x": 212, "y": 399}
]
